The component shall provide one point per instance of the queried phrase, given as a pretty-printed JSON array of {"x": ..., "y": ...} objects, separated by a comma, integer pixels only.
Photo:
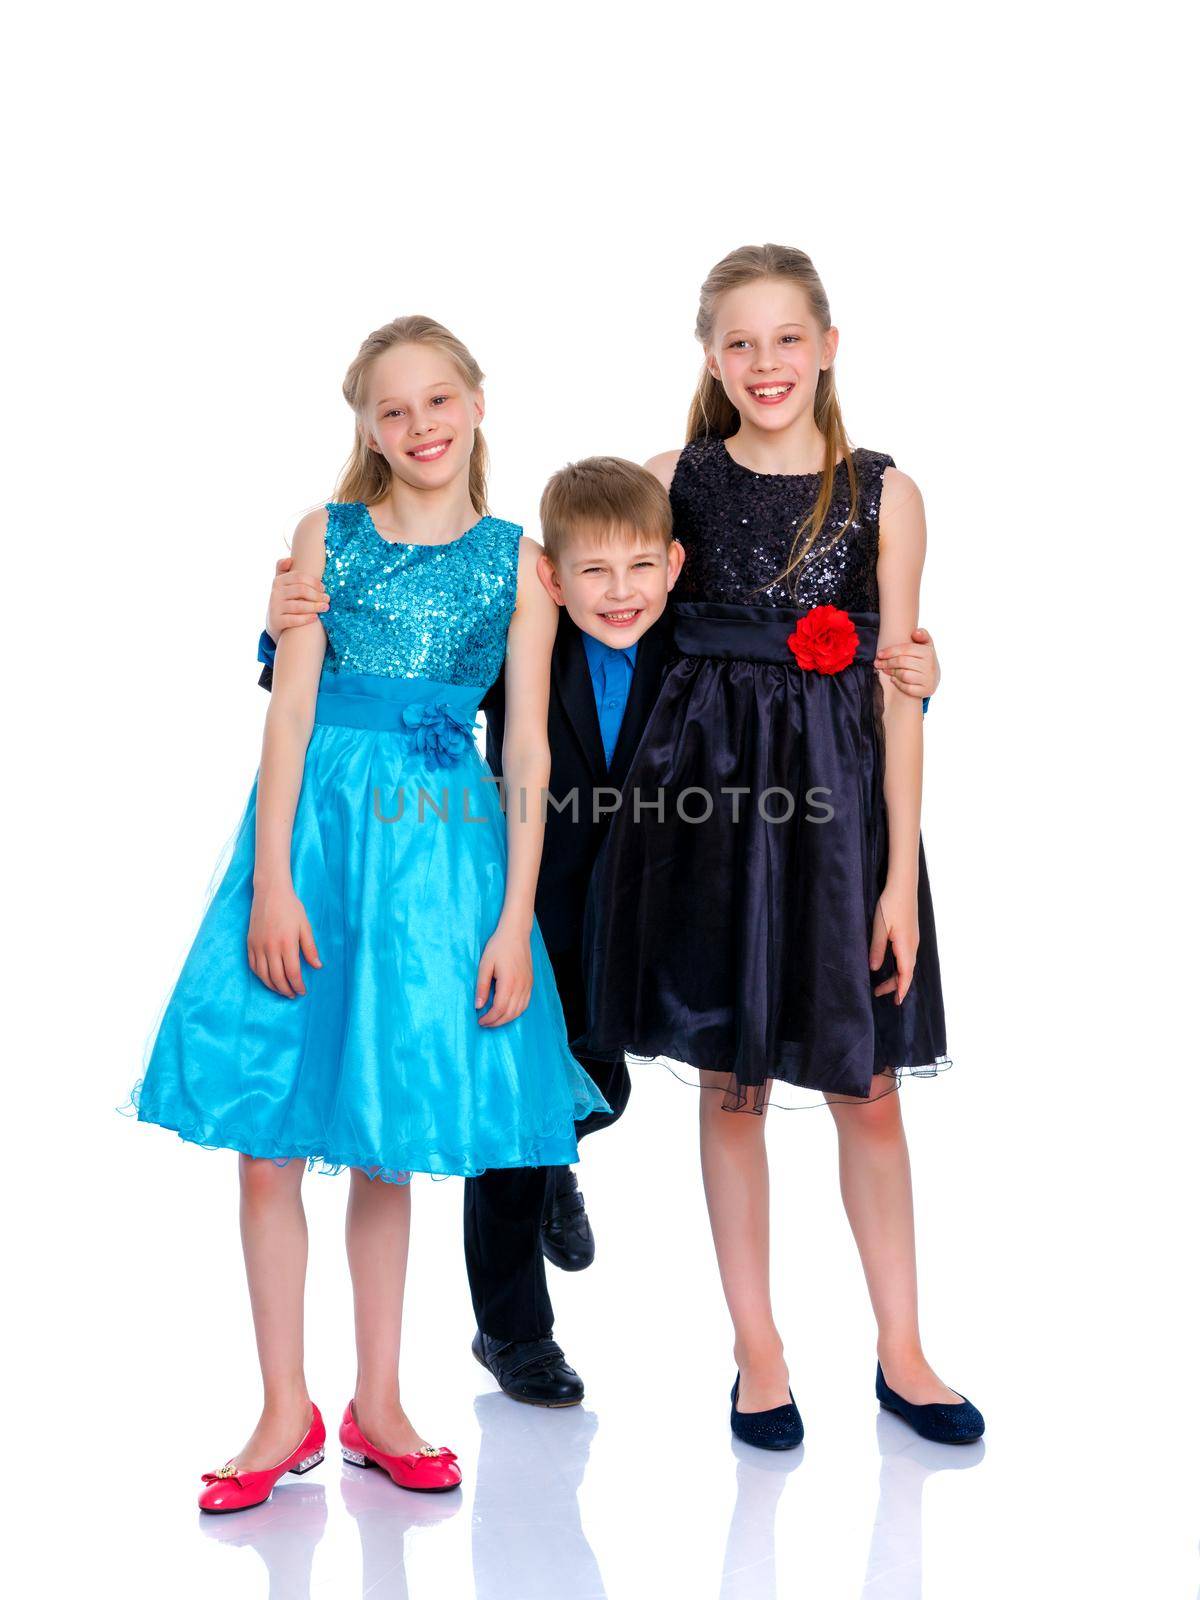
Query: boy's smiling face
[{"x": 614, "y": 584}]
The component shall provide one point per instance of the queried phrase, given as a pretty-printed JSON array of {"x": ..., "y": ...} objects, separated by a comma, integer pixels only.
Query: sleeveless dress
[
  {"x": 398, "y": 857},
  {"x": 724, "y": 933}
]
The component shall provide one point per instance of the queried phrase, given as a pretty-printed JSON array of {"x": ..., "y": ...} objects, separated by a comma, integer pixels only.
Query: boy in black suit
[{"x": 609, "y": 563}]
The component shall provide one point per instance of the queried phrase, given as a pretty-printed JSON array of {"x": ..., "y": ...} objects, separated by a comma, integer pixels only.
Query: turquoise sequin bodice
[{"x": 438, "y": 611}]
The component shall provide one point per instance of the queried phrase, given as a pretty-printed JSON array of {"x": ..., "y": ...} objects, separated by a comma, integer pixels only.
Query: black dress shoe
[
  {"x": 780, "y": 1428},
  {"x": 954, "y": 1424},
  {"x": 566, "y": 1232},
  {"x": 532, "y": 1370}
]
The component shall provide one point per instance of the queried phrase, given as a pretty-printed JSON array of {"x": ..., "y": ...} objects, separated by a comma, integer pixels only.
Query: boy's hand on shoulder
[
  {"x": 295, "y": 599},
  {"x": 914, "y": 667}
]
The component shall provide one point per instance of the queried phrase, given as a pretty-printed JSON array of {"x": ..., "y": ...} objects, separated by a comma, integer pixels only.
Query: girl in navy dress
[
  {"x": 762, "y": 911},
  {"x": 368, "y": 987}
]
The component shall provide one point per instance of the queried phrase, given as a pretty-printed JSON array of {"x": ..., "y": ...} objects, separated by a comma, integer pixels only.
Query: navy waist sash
[{"x": 754, "y": 633}]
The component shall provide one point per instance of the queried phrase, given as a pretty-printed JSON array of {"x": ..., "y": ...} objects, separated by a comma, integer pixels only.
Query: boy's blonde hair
[
  {"x": 366, "y": 475},
  {"x": 605, "y": 496}
]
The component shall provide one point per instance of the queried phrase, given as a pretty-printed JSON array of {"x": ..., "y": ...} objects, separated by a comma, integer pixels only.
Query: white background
[{"x": 209, "y": 208}]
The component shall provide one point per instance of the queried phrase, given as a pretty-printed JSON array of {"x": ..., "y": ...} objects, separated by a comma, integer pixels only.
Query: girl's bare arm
[
  {"x": 526, "y": 760},
  {"x": 279, "y": 929},
  {"x": 901, "y": 558}
]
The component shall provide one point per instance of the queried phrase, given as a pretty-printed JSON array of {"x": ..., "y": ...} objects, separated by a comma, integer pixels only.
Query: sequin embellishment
[
  {"x": 437, "y": 611},
  {"x": 738, "y": 526}
]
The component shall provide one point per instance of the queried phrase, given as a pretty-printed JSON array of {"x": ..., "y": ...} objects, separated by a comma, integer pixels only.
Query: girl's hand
[
  {"x": 279, "y": 934},
  {"x": 895, "y": 923},
  {"x": 912, "y": 667},
  {"x": 506, "y": 959},
  {"x": 294, "y": 600}
]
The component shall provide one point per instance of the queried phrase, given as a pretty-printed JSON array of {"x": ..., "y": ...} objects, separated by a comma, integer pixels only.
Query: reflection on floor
[
  {"x": 527, "y": 1537},
  {"x": 285, "y": 1532},
  {"x": 906, "y": 1461},
  {"x": 526, "y": 1532}
]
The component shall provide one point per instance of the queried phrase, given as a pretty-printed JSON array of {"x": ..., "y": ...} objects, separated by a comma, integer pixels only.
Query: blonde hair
[
  {"x": 713, "y": 415},
  {"x": 366, "y": 475},
  {"x": 607, "y": 496}
]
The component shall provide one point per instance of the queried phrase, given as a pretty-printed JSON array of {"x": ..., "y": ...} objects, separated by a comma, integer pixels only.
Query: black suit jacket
[{"x": 577, "y": 763}]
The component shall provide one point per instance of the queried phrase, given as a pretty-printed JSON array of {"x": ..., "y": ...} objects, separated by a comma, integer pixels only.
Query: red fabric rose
[{"x": 824, "y": 640}]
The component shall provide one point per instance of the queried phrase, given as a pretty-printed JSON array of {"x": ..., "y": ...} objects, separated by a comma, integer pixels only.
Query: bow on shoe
[
  {"x": 430, "y": 1452},
  {"x": 227, "y": 1474}
]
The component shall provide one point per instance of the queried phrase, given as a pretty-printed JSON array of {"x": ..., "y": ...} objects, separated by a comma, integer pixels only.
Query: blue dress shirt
[{"x": 612, "y": 673}]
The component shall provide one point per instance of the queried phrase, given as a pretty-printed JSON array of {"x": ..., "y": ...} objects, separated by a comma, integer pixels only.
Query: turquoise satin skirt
[{"x": 398, "y": 857}]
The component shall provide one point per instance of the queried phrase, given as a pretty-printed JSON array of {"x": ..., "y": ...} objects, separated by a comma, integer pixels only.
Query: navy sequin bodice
[
  {"x": 738, "y": 526},
  {"x": 437, "y": 611}
]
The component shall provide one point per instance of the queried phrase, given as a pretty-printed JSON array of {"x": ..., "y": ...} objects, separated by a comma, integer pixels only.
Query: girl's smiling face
[
  {"x": 420, "y": 415},
  {"x": 768, "y": 351}
]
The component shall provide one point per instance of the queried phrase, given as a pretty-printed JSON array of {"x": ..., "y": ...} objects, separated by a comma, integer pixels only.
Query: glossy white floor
[{"x": 1083, "y": 1485}]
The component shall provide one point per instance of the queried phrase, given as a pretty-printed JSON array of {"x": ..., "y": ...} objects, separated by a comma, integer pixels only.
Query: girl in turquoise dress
[{"x": 368, "y": 987}]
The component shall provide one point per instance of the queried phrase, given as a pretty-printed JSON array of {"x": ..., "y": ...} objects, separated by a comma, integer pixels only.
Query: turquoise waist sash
[{"x": 361, "y": 700}]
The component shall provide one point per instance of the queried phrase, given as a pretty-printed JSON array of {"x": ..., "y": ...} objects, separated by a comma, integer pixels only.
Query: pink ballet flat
[
  {"x": 431, "y": 1470},
  {"x": 234, "y": 1489}
]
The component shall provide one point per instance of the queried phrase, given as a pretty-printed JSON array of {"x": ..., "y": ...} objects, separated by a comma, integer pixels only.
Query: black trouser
[{"x": 502, "y": 1209}]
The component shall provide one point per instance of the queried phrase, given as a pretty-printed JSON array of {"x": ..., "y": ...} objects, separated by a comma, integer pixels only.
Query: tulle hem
[
  {"x": 543, "y": 1149},
  {"x": 781, "y": 1093}
]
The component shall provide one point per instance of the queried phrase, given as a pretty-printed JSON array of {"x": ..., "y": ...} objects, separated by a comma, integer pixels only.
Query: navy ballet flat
[
  {"x": 777, "y": 1429},
  {"x": 957, "y": 1424}
]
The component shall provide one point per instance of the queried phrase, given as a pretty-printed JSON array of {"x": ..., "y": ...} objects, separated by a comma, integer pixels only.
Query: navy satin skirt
[{"x": 730, "y": 914}]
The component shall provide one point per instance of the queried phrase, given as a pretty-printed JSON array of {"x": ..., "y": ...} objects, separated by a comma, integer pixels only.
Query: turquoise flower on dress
[{"x": 437, "y": 734}]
